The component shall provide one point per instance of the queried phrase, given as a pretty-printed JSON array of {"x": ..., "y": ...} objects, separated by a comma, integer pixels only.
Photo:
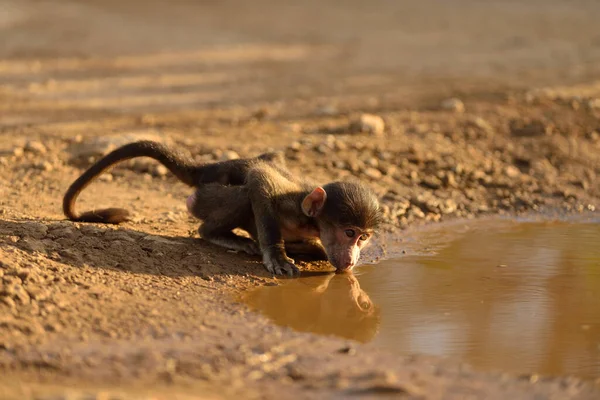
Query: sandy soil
[{"x": 147, "y": 309}]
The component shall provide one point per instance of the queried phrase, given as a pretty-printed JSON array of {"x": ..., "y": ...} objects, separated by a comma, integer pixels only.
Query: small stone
[
  {"x": 453, "y": 104},
  {"x": 20, "y": 294},
  {"x": 44, "y": 166},
  {"x": 160, "y": 170},
  {"x": 340, "y": 146},
  {"x": 35, "y": 147},
  {"x": 448, "y": 207},
  {"x": 511, "y": 171},
  {"x": 368, "y": 123},
  {"x": 106, "y": 177},
  {"x": 594, "y": 104},
  {"x": 322, "y": 148},
  {"x": 229, "y": 155},
  {"x": 416, "y": 212},
  {"x": 372, "y": 162},
  {"x": 373, "y": 173},
  {"x": 8, "y": 301},
  {"x": 431, "y": 182},
  {"x": 18, "y": 152},
  {"x": 526, "y": 128},
  {"x": 339, "y": 164},
  {"x": 295, "y": 146}
]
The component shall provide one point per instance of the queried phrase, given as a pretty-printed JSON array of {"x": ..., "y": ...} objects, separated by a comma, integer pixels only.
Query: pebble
[
  {"x": 372, "y": 162},
  {"x": 416, "y": 212},
  {"x": 44, "y": 166},
  {"x": 229, "y": 155},
  {"x": 296, "y": 146},
  {"x": 594, "y": 104},
  {"x": 322, "y": 149},
  {"x": 106, "y": 177},
  {"x": 511, "y": 171},
  {"x": 524, "y": 127},
  {"x": 368, "y": 123},
  {"x": 431, "y": 182},
  {"x": 35, "y": 147},
  {"x": 159, "y": 170},
  {"x": 18, "y": 152},
  {"x": 373, "y": 173},
  {"x": 453, "y": 104}
]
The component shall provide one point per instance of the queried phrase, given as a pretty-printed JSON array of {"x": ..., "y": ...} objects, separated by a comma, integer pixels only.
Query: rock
[
  {"x": 44, "y": 166},
  {"x": 229, "y": 155},
  {"x": 448, "y": 206},
  {"x": 36, "y": 147},
  {"x": 159, "y": 170},
  {"x": 106, "y": 177},
  {"x": 373, "y": 173},
  {"x": 453, "y": 104},
  {"x": 416, "y": 212},
  {"x": 431, "y": 182},
  {"x": 34, "y": 229},
  {"x": 449, "y": 180},
  {"x": 525, "y": 127},
  {"x": 295, "y": 146},
  {"x": 322, "y": 149},
  {"x": 18, "y": 152},
  {"x": 20, "y": 294},
  {"x": 8, "y": 301},
  {"x": 368, "y": 123},
  {"x": 372, "y": 162},
  {"x": 481, "y": 124},
  {"x": 38, "y": 294},
  {"x": 511, "y": 171},
  {"x": 594, "y": 104},
  {"x": 339, "y": 164}
]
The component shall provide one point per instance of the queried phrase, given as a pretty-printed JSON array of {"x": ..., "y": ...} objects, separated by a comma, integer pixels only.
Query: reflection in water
[
  {"x": 326, "y": 304},
  {"x": 499, "y": 294},
  {"x": 518, "y": 296}
]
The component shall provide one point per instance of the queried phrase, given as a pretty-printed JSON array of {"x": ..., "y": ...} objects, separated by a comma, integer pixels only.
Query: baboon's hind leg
[{"x": 222, "y": 209}]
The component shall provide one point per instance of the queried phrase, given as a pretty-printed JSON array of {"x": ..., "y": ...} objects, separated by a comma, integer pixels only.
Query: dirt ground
[{"x": 447, "y": 109}]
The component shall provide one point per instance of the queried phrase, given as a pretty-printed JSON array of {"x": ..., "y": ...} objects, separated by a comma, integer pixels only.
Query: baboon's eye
[
  {"x": 364, "y": 237},
  {"x": 350, "y": 232}
]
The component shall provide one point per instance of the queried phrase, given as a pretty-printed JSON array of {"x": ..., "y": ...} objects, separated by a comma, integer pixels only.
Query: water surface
[{"x": 499, "y": 294}]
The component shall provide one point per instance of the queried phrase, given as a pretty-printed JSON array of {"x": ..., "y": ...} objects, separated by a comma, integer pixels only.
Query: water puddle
[{"x": 521, "y": 296}]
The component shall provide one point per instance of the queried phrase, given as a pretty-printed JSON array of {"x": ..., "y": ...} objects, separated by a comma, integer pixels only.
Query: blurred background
[{"x": 109, "y": 55}]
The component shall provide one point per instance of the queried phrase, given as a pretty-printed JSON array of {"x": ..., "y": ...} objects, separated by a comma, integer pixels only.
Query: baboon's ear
[{"x": 313, "y": 203}]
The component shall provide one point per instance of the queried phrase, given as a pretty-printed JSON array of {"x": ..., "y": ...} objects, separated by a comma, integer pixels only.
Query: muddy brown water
[{"x": 521, "y": 296}]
